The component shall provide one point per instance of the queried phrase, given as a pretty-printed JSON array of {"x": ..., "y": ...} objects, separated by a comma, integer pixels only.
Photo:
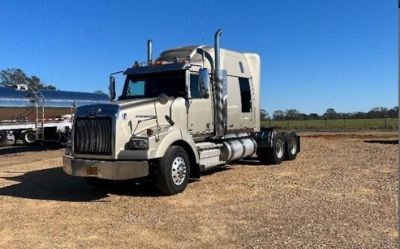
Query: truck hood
[{"x": 136, "y": 115}]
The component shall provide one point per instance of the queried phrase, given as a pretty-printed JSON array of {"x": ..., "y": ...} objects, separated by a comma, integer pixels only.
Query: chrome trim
[
  {"x": 149, "y": 52},
  {"x": 108, "y": 110},
  {"x": 219, "y": 88},
  {"x": 112, "y": 170}
]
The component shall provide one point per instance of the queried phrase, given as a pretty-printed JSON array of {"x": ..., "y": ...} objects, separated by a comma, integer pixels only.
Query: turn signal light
[{"x": 149, "y": 132}]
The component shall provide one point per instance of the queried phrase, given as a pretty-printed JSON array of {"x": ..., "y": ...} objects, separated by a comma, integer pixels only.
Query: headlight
[{"x": 137, "y": 143}]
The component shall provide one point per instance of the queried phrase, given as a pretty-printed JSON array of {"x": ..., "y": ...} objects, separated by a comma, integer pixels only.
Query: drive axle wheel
[
  {"x": 291, "y": 146},
  {"x": 173, "y": 171},
  {"x": 275, "y": 154}
]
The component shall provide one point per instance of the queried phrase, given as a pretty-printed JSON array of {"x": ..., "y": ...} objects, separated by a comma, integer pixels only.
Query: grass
[{"x": 335, "y": 124}]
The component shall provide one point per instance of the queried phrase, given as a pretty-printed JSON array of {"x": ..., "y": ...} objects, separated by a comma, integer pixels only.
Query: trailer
[
  {"x": 32, "y": 115},
  {"x": 193, "y": 109}
]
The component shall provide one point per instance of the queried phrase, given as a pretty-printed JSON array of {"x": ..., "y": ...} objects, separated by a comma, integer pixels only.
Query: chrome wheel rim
[
  {"x": 279, "y": 148},
  {"x": 178, "y": 170},
  {"x": 30, "y": 137}
]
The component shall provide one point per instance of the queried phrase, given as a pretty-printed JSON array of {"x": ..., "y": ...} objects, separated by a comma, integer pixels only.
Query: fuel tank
[{"x": 19, "y": 105}]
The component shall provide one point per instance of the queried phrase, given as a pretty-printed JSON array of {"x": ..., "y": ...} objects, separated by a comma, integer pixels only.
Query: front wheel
[{"x": 173, "y": 171}]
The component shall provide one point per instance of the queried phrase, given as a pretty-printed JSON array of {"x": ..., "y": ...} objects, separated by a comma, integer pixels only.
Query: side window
[
  {"x": 136, "y": 88},
  {"x": 245, "y": 94},
  {"x": 194, "y": 86}
]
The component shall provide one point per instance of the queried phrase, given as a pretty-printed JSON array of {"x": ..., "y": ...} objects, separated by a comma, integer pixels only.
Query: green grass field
[{"x": 336, "y": 124}]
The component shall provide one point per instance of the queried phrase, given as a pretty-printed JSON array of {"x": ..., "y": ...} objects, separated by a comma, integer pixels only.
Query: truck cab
[{"x": 192, "y": 109}]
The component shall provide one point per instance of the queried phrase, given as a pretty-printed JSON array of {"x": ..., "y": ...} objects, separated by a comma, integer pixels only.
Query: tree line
[
  {"x": 330, "y": 113},
  {"x": 12, "y": 76}
]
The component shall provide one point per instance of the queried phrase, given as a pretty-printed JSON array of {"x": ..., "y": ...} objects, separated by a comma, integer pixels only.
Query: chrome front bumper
[{"x": 113, "y": 170}]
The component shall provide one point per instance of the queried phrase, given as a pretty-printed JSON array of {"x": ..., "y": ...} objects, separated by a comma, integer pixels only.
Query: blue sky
[{"x": 315, "y": 54}]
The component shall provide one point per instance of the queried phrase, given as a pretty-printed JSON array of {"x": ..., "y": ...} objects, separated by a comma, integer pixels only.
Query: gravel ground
[{"x": 340, "y": 192}]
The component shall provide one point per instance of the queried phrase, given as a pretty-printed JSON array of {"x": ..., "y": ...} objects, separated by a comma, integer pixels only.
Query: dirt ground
[{"x": 340, "y": 192}]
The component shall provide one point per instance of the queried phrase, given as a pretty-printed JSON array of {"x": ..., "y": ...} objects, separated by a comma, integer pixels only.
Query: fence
[{"x": 334, "y": 124}]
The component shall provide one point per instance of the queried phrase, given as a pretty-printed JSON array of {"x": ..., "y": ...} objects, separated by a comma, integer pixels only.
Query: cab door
[{"x": 200, "y": 116}]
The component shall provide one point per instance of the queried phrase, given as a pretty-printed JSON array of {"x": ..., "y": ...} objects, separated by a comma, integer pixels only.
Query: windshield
[{"x": 152, "y": 85}]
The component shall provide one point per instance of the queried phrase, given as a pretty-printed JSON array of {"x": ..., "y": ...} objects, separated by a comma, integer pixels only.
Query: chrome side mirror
[
  {"x": 204, "y": 82},
  {"x": 111, "y": 88}
]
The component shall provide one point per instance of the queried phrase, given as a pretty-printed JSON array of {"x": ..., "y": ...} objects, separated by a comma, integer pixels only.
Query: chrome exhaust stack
[
  {"x": 219, "y": 88},
  {"x": 149, "y": 52}
]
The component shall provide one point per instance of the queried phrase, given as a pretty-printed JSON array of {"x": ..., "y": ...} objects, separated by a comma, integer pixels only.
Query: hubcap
[
  {"x": 178, "y": 170},
  {"x": 279, "y": 148}
]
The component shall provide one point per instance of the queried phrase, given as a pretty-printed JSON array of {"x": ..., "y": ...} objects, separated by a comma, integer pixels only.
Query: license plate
[{"x": 92, "y": 171}]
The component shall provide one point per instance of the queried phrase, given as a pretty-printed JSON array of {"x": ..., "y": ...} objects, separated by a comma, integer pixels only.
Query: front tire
[{"x": 173, "y": 170}]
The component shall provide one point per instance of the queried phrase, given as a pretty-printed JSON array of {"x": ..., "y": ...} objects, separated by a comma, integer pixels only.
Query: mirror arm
[{"x": 111, "y": 87}]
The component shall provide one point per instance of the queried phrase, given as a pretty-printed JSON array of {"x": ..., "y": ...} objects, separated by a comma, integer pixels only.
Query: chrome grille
[{"x": 93, "y": 136}]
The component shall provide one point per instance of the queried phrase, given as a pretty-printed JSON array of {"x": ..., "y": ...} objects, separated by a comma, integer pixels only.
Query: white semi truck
[{"x": 193, "y": 109}]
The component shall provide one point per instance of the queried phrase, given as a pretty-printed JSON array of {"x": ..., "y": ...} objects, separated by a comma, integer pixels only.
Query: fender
[{"x": 170, "y": 138}]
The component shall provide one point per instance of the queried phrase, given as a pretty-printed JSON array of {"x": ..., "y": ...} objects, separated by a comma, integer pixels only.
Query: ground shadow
[
  {"x": 251, "y": 161},
  {"x": 387, "y": 141},
  {"x": 54, "y": 184},
  {"x": 32, "y": 148},
  {"x": 216, "y": 170}
]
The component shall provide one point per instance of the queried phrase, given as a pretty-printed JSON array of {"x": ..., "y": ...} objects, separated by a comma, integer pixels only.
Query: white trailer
[{"x": 39, "y": 115}]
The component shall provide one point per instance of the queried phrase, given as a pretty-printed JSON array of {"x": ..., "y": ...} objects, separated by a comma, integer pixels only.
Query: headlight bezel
[{"x": 137, "y": 143}]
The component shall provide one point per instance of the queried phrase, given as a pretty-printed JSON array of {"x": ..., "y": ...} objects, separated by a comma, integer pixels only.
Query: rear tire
[
  {"x": 274, "y": 155},
  {"x": 28, "y": 137},
  {"x": 173, "y": 170},
  {"x": 291, "y": 146}
]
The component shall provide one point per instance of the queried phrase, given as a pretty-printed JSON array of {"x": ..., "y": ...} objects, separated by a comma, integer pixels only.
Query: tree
[
  {"x": 12, "y": 76},
  {"x": 313, "y": 116},
  {"x": 357, "y": 115},
  {"x": 292, "y": 114},
  {"x": 264, "y": 114},
  {"x": 278, "y": 115},
  {"x": 378, "y": 112},
  {"x": 330, "y": 113},
  {"x": 394, "y": 112}
]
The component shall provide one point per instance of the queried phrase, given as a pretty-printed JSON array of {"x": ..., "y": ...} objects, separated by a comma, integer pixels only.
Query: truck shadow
[
  {"x": 54, "y": 184},
  {"x": 250, "y": 162},
  {"x": 4, "y": 150}
]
